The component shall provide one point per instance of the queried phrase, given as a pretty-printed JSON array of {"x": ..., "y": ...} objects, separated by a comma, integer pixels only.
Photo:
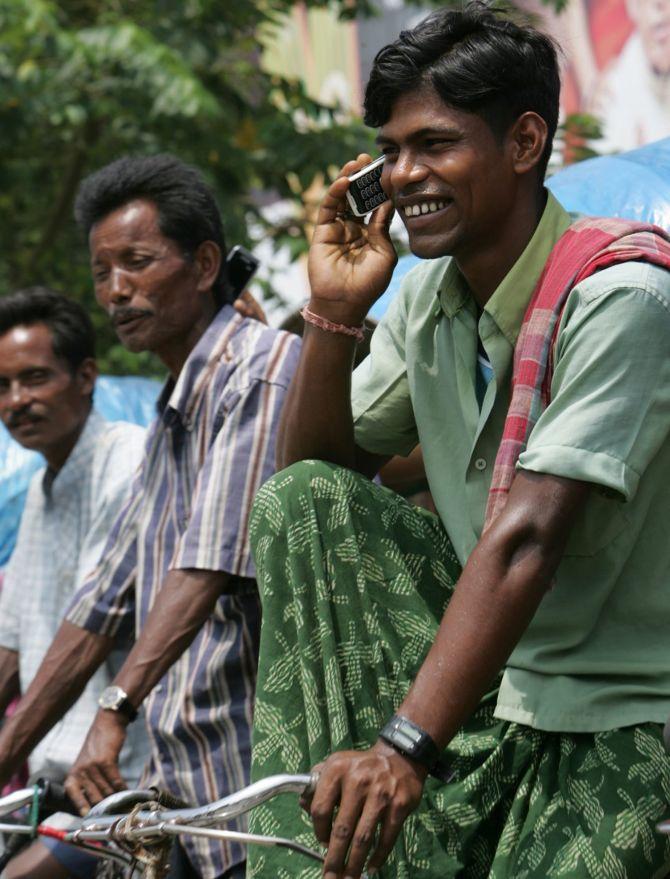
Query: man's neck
[
  {"x": 176, "y": 353},
  {"x": 485, "y": 268},
  {"x": 57, "y": 455}
]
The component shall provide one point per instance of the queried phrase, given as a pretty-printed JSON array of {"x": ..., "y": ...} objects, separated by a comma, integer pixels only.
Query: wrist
[
  {"x": 415, "y": 744},
  {"x": 115, "y": 700},
  {"x": 386, "y": 750},
  {"x": 339, "y": 312}
]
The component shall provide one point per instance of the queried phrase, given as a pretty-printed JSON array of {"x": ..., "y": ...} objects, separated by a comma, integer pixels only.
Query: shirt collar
[
  {"x": 179, "y": 398},
  {"x": 510, "y": 299},
  {"x": 83, "y": 450}
]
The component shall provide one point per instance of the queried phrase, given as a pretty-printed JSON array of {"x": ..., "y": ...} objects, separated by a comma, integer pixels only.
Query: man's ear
[
  {"x": 207, "y": 262},
  {"x": 528, "y": 137},
  {"x": 87, "y": 373}
]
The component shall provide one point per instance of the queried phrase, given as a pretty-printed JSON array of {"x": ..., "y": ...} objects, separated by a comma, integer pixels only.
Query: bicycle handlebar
[
  {"x": 222, "y": 810},
  {"x": 101, "y": 826}
]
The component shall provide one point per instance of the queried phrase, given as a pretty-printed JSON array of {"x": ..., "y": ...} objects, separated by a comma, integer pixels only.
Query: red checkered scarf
[{"x": 586, "y": 247}]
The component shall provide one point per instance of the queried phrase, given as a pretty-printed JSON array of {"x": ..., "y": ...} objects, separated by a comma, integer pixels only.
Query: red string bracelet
[{"x": 329, "y": 327}]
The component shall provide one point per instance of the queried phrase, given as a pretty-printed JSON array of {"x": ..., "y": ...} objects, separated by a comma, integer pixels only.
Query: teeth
[{"x": 416, "y": 210}]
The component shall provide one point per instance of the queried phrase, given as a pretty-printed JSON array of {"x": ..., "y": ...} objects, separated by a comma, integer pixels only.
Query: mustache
[
  {"x": 125, "y": 313},
  {"x": 21, "y": 415}
]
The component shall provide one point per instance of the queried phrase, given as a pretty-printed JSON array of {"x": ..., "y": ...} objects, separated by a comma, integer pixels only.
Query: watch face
[{"x": 111, "y": 698}]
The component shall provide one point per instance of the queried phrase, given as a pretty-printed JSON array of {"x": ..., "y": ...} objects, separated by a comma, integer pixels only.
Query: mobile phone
[
  {"x": 365, "y": 192},
  {"x": 240, "y": 268}
]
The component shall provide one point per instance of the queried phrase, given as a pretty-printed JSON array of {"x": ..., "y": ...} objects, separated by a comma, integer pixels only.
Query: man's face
[
  {"x": 653, "y": 20},
  {"x": 42, "y": 402},
  {"x": 448, "y": 176},
  {"x": 143, "y": 280}
]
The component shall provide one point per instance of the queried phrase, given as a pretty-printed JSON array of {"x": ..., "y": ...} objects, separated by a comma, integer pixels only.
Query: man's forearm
[
  {"x": 9, "y": 677},
  {"x": 316, "y": 420},
  {"x": 74, "y": 655},
  {"x": 184, "y": 603},
  {"x": 501, "y": 587}
]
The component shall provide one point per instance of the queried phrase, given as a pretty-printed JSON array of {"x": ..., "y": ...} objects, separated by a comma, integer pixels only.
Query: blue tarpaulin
[{"x": 118, "y": 399}]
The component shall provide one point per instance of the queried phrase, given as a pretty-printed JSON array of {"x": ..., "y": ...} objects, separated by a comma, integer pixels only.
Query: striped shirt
[{"x": 207, "y": 453}]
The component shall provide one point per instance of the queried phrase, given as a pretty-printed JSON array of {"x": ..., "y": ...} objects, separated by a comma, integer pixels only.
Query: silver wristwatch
[{"x": 115, "y": 699}]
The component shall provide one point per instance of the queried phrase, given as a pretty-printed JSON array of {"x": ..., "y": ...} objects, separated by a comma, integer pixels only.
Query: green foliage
[{"x": 84, "y": 81}]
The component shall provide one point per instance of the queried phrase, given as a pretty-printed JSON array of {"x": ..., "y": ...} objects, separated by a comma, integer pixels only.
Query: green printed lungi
[{"x": 354, "y": 582}]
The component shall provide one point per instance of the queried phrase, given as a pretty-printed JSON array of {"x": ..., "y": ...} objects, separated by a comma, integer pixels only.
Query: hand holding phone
[
  {"x": 365, "y": 192},
  {"x": 350, "y": 263}
]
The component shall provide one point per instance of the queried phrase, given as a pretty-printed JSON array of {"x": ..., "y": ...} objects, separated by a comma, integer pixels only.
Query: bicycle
[{"x": 134, "y": 829}]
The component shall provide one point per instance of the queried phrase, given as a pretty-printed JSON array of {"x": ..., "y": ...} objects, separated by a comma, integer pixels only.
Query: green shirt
[{"x": 597, "y": 654}]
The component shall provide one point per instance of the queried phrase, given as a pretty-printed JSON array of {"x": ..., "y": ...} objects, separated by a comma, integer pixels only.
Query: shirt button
[{"x": 480, "y": 464}]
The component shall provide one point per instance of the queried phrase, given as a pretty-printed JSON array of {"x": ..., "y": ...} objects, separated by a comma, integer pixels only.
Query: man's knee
[{"x": 292, "y": 483}]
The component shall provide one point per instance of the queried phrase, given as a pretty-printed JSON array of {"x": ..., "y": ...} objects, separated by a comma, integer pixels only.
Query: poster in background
[{"x": 616, "y": 66}]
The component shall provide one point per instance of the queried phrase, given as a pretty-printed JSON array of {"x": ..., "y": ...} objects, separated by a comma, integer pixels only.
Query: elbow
[{"x": 528, "y": 554}]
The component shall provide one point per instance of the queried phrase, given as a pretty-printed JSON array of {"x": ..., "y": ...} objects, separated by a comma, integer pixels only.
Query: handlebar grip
[{"x": 55, "y": 799}]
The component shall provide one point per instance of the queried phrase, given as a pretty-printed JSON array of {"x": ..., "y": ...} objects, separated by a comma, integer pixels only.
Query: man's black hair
[
  {"x": 187, "y": 210},
  {"x": 72, "y": 333},
  {"x": 476, "y": 60}
]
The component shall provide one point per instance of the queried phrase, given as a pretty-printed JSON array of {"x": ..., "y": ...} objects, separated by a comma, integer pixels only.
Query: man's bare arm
[
  {"x": 495, "y": 599},
  {"x": 184, "y": 603},
  {"x": 73, "y": 657},
  {"x": 9, "y": 677},
  {"x": 350, "y": 266}
]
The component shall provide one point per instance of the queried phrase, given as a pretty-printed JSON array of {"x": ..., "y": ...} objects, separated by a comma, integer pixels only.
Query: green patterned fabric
[{"x": 354, "y": 582}]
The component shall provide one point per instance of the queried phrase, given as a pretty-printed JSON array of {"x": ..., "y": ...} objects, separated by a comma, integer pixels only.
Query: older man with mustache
[{"x": 177, "y": 569}]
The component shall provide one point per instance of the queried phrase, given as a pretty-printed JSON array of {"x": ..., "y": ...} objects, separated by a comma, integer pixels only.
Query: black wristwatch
[
  {"x": 115, "y": 699},
  {"x": 411, "y": 741}
]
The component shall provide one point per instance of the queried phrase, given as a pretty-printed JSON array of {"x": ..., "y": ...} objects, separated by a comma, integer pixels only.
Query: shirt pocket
[{"x": 600, "y": 523}]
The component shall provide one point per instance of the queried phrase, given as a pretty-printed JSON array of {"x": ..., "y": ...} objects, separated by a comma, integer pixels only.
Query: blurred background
[{"x": 264, "y": 96}]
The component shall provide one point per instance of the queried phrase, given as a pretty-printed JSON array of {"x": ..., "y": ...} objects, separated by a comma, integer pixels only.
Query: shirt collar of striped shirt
[{"x": 178, "y": 399}]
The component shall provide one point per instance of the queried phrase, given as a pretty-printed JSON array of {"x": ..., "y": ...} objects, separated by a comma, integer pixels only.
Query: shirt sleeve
[
  {"x": 610, "y": 396},
  {"x": 380, "y": 400},
  {"x": 14, "y": 579},
  {"x": 240, "y": 459},
  {"x": 105, "y": 602},
  {"x": 9, "y": 608}
]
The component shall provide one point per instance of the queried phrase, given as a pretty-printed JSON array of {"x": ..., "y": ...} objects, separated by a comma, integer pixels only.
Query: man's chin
[{"x": 430, "y": 248}]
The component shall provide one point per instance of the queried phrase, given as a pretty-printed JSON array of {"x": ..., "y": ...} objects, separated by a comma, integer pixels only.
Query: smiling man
[
  {"x": 47, "y": 378},
  {"x": 482, "y": 691},
  {"x": 177, "y": 569}
]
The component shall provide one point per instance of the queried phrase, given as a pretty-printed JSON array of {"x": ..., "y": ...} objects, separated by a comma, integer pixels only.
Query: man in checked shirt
[{"x": 177, "y": 565}]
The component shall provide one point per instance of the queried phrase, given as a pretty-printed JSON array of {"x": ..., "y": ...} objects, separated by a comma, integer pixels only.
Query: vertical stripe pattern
[{"x": 207, "y": 453}]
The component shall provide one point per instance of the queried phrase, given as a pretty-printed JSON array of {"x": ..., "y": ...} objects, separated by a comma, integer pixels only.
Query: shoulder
[
  {"x": 625, "y": 306},
  {"x": 257, "y": 352},
  {"x": 119, "y": 449},
  {"x": 642, "y": 281}
]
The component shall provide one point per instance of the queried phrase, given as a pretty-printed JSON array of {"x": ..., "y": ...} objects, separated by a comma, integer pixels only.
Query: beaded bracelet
[{"x": 329, "y": 327}]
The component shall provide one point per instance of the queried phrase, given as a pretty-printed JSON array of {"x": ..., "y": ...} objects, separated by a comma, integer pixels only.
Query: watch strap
[{"x": 127, "y": 708}]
